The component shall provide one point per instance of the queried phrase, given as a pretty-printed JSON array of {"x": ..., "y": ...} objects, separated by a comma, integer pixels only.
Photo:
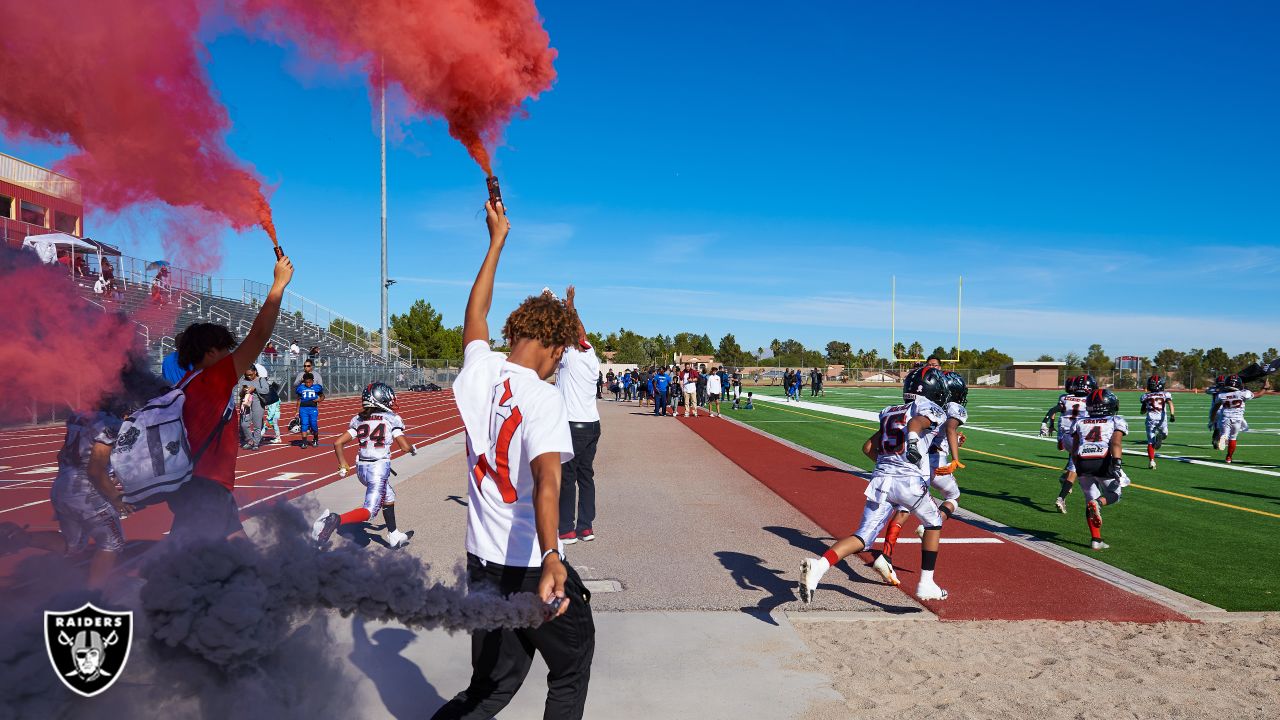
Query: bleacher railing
[{"x": 301, "y": 319}]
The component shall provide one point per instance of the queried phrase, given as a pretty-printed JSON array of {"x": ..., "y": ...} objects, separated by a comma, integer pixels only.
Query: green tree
[
  {"x": 941, "y": 353},
  {"x": 1096, "y": 362},
  {"x": 1217, "y": 362},
  {"x": 1074, "y": 364},
  {"x": 1045, "y": 358},
  {"x": 1167, "y": 362},
  {"x": 839, "y": 353},
  {"x": 423, "y": 330},
  {"x": 916, "y": 350},
  {"x": 729, "y": 352}
]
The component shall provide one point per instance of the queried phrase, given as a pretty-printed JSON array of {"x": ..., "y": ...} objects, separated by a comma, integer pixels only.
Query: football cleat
[
  {"x": 1099, "y": 545},
  {"x": 1061, "y": 504},
  {"x": 1093, "y": 514},
  {"x": 885, "y": 568},
  {"x": 930, "y": 591},
  {"x": 809, "y": 577},
  {"x": 397, "y": 539},
  {"x": 324, "y": 526},
  {"x": 1151, "y": 465}
]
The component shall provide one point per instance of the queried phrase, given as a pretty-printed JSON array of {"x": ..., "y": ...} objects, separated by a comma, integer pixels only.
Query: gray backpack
[{"x": 152, "y": 454}]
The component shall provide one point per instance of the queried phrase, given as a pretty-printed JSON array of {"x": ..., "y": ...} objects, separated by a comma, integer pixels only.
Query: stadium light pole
[{"x": 386, "y": 357}]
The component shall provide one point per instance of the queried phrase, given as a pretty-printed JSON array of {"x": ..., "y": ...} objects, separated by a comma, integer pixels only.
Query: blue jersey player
[{"x": 310, "y": 394}]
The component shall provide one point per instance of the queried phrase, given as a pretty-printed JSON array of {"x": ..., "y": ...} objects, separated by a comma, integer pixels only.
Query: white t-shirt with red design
[{"x": 511, "y": 417}]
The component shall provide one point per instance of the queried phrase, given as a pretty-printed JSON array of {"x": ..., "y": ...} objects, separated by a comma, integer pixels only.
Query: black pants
[
  {"x": 578, "y": 479},
  {"x": 500, "y": 659}
]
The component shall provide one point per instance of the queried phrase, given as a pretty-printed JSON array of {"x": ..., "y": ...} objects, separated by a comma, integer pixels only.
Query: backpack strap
[{"x": 213, "y": 435}]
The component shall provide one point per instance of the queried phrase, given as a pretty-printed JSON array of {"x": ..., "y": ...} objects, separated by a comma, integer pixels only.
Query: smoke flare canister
[
  {"x": 495, "y": 192},
  {"x": 279, "y": 252}
]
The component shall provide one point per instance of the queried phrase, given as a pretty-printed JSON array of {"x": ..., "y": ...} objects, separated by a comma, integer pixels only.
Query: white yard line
[{"x": 875, "y": 417}]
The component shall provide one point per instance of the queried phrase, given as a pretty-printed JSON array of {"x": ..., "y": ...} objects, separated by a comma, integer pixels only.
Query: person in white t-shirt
[
  {"x": 518, "y": 435},
  {"x": 713, "y": 392},
  {"x": 576, "y": 381}
]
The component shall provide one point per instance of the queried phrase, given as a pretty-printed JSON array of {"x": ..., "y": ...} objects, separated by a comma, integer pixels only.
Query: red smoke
[
  {"x": 57, "y": 349},
  {"x": 472, "y": 62},
  {"x": 121, "y": 81}
]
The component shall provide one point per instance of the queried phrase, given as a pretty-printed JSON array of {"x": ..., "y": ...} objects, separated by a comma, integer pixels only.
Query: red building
[{"x": 34, "y": 201}]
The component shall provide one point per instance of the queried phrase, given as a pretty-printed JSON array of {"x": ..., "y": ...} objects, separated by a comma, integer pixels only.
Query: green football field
[{"x": 1194, "y": 524}]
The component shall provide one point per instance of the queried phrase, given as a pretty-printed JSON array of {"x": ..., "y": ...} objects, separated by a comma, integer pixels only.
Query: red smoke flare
[
  {"x": 472, "y": 62},
  {"x": 121, "y": 81}
]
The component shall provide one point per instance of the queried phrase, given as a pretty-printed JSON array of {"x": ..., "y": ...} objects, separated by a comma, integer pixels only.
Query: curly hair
[{"x": 544, "y": 318}]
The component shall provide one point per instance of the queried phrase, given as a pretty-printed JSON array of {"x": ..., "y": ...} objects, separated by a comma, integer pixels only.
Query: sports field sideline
[{"x": 1195, "y": 525}]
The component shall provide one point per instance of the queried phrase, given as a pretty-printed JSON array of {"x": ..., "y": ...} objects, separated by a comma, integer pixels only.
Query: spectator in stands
[
  {"x": 160, "y": 286},
  {"x": 271, "y": 353},
  {"x": 314, "y": 353},
  {"x": 204, "y": 506},
  {"x": 294, "y": 352},
  {"x": 252, "y": 391}
]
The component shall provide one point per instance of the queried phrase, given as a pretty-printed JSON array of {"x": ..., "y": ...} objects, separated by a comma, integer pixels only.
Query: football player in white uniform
[
  {"x": 941, "y": 473},
  {"x": 1070, "y": 408},
  {"x": 375, "y": 429},
  {"x": 901, "y": 478},
  {"x": 1157, "y": 405},
  {"x": 1229, "y": 404},
  {"x": 1098, "y": 448}
]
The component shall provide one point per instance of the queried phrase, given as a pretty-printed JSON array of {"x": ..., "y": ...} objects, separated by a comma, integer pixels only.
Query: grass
[{"x": 1205, "y": 529}]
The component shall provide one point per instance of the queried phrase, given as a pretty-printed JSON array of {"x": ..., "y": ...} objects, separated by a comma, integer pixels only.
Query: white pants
[
  {"x": 1230, "y": 428},
  {"x": 891, "y": 492},
  {"x": 1157, "y": 429},
  {"x": 1094, "y": 486},
  {"x": 1066, "y": 442},
  {"x": 376, "y": 478}
]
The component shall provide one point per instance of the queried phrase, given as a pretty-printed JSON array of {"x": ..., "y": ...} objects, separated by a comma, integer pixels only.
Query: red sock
[
  {"x": 354, "y": 516},
  {"x": 1095, "y": 527},
  {"x": 1231, "y": 448},
  {"x": 1151, "y": 452},
  {"x": 891, "y": 538},
  {"x": 830, "y": 557}
]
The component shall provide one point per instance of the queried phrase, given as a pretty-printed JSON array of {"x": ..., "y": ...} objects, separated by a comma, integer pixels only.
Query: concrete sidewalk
[{"x": 693, "y": 572}]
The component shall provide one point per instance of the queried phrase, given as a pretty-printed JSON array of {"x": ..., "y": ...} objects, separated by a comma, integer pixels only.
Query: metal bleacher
[{"x": 347, "y": 355}]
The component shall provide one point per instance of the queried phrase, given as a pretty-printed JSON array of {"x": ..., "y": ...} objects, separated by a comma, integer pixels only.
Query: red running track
[
  {"x": 998, "y": 581},
  {"x": 28, "y": 464}
]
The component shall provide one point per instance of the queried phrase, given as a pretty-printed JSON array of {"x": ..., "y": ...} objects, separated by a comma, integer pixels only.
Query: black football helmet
[
  {"x": 1234, "y": 382},
  {"x": 1085, "y": 385},
  {"x": 926, "y": 381},
  {"x": 1155, "y": 383},
  {"x": 378, "y": 396},
  {"x": 1103, "y": 403},
  {"x": 957, "y": 388}
]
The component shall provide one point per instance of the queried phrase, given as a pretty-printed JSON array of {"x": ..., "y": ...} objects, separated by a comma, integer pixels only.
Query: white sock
[{"x": 926, "y": 577}]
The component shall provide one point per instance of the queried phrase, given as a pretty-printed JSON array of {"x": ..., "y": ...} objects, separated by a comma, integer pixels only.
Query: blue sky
[{"x": 1096, "y": 173}]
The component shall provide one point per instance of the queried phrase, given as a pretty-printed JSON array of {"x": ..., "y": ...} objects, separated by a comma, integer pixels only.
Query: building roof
[{"x": 1035, "y": 364}]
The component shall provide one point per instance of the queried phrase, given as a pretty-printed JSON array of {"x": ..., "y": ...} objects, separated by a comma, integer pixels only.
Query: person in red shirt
[{"x": 204, "y": 507}]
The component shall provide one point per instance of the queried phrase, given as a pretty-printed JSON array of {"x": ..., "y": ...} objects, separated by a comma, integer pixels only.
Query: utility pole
[{"x": 386, "y": 356}]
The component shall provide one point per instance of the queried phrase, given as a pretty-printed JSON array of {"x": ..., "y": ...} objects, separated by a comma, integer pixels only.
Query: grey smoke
[
  {"x": 232, "y": 603},
  {"x": 241, "y": 629}
]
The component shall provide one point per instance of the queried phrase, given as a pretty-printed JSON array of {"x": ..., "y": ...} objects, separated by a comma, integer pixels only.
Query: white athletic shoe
[
  {"x": 397, "y": 539},
  {"x": 1151, "y": 464},
  {"x": 1061, "y": 504},
  {"x": 1099, "y": 545},
  {"x": 808, "y": 579},
  {"x": 885, "y": 568},
  {"x": 930, "y": 591},
  {"x": 324, "y": 526}
]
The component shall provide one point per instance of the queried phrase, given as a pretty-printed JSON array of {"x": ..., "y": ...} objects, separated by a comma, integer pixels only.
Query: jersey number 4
[{"x": 1095, "y": 435}]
